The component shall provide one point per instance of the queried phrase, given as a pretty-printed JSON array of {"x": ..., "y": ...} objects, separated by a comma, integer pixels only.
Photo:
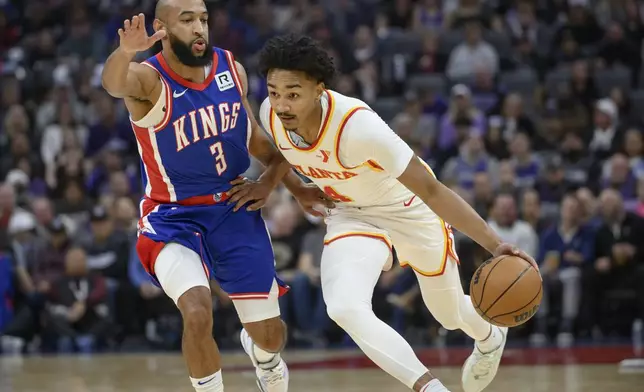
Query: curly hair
[{"x": 297, "y": 53}]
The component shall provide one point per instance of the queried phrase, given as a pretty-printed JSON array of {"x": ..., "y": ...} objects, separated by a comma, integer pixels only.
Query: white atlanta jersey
[{"x": 357, "y": 159}]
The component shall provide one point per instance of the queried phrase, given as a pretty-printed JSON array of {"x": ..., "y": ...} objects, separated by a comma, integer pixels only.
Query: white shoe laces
[
  {"x": 483, "y": 363},
  {"x": 273, "y": 376}
]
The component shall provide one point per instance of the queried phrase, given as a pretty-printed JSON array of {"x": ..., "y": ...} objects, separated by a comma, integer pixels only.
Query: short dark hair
[{"x": 297, "y": 53}]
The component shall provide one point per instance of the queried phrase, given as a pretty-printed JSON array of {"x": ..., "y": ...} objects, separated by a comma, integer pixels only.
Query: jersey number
[
  {"x": 220, "y": 159},
  {"x": 332, "y": 193}
]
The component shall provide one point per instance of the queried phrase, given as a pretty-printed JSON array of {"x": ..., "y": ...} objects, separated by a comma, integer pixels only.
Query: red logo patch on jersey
[{"x": 325, "y": 155}]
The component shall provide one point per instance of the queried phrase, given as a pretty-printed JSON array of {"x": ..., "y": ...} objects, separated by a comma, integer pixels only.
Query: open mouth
[{"x": 199, "y": 45}]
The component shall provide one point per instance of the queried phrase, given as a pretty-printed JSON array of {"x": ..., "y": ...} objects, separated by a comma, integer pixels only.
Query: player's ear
[
  {"x": 320, "y": 89},
  {"x": 158, "y": 25}
]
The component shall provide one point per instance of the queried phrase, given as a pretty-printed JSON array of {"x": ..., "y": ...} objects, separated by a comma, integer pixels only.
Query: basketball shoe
[
  {"x": 480, "y": 368},
  {"x": 272, "y": 376}
]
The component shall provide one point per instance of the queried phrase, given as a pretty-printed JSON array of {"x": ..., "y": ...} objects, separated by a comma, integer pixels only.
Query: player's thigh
[
  {"x": 178, "y": 269},
  {"x": 427, "y": 248},
  {"x": 350, "y": 269}
]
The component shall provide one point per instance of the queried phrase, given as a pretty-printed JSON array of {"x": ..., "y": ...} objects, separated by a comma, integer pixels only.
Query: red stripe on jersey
[
  {"x": 159, "y": 191},
  {"x": 233, "y": 70},
  {"x": 184, "y": 82}
]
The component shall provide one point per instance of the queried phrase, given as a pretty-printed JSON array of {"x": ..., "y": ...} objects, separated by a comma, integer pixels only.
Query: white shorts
[
  {"x": 179, "y": 269},
  {"x": 422, "y": 240}
]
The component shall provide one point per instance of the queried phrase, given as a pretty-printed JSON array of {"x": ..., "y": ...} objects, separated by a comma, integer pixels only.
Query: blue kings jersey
[{"x": 201, "y": 144}]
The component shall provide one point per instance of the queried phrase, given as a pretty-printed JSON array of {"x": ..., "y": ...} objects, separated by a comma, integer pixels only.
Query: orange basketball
[{"x": 506, "y": 291}]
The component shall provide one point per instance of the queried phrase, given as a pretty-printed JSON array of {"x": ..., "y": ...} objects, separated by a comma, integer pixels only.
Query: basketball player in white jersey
[{"x": 386, "y": 197}]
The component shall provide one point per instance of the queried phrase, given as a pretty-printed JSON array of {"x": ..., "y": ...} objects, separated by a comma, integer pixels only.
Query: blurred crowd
[{"x": 529, "y": 109}]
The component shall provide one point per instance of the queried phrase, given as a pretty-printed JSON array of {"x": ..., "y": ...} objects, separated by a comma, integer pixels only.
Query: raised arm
[{"x": 123, "y": 78}]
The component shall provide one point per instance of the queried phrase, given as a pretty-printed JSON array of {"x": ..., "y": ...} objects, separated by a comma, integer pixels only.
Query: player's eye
[
  {"x": 293, "y": 96},
  {"x": 272, "y": 94}
]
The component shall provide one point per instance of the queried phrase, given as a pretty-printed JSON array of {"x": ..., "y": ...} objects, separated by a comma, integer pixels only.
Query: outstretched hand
[
  {"x": 134, "y": 37},
  {"x": 511, "y": 250}
]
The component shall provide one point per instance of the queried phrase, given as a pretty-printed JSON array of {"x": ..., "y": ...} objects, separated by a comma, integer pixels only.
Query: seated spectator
[
  {"x": 619, "y": 176},
  {"x": 472, "y": 56},
  {"x": 634, "y": 149},
  {"x": 564, "y": 250},
  {"x": 619, "y": 254},
  {"x": 606, "y": 138},
  {"x": 579, "y": 168},
  {"x": 309, "y": 309},
  {"x": 460, "y": 110},
  {"x": 617, "y": 49},
  {"x": 582, "y": 84},
  {"x": 526, "y": 165},
  {"x": 428, "y": 15},
  {"x": 77, "y": 315},
  {"x": 482, "y": 194},
  {"x": 472, "y": 159},
  {"x": 504, "y": 221},
  {"x": 552, "y": 186},
  {"x": 589, "y": 208},
  {"x": 531, "y": 211}
]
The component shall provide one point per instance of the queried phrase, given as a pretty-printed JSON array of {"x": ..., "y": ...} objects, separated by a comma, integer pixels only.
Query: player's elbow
[{"x": 112, "y": 88}]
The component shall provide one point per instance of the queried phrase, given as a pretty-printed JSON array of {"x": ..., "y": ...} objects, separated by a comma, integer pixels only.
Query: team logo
[
  {"x": 217, "y": 197},
  {"x": 224, "y": 81}
]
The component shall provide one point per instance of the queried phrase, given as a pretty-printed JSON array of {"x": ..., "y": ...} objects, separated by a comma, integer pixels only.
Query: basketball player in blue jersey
[{"x": 195, "y": 131}]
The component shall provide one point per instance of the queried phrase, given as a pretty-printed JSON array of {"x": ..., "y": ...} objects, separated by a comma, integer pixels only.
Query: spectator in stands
[
  {"x": 472, "y": 159},
  {"x": 504, "y": 221},
  {"x": 619, "y": 251},
  {"x": 482, "y": 193},
  {"x": 428, "y": 15},
  {"x": 606, "y": 138},
  {"x": 526, "y": 165},
  {"x": 564, "y": 250},
  {"x": 616, "y": 49},
  {"x": 579, "y": 168},
  {"x": 505, "y": 178},
  {"x": 618, "y": 175},
  {"x": 309, "y": 309},
  {"x": 589, "y": 208},
  {"x": 461, "y": 111},
  {"x": 634, "y": 149},
  {"x": 531, "y": 211},
  {"x": 395, "y": 15},
  {"x": 428, "y": 60},
  {"x": 77, "y": 314},
  {"x": 473, "y": 56},
  {"x": 582, "y": 84},
  {"x": 633, "y": 24},
  {"x": 7, "y": 209},
  {"x": 552, "y": 186},
  {"x": 511, "y": 118}
]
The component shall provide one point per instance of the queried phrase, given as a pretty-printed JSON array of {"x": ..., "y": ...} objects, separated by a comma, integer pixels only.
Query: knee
[
  {"x": 342, "y": 312},
  {"x": 196, "y": 310},
  {"x": 269, "y": 335}
]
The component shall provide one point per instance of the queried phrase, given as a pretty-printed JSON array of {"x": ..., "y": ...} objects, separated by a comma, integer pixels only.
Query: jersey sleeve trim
[
  {"x": 168, "y": 102},
  {"x": 233, "y": 69},
  {"x": 184, "y": 82},
  {"x": 343, "y": 124}
]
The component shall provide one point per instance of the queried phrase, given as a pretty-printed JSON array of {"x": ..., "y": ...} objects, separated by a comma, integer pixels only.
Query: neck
[
  {"x": 311, "y": 126},
  {"x": 567, "y": 226},
  {"x": 193, "y": 74}
]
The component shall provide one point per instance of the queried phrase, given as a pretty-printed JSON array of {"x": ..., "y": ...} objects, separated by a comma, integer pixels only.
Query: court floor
[{"x": 311, "y": 371}]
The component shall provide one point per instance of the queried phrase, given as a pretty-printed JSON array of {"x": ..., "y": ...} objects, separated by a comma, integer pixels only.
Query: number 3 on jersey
[
  {"x": 332, "y": 193},
  {"x": 220, "y": 159}
]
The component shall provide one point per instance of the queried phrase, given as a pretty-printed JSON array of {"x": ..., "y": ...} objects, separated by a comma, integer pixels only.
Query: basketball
[{"x": 506, "y": 291}]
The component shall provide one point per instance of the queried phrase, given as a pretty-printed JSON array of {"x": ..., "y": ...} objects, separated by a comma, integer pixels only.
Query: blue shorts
[{"x": 235, "y": 247}]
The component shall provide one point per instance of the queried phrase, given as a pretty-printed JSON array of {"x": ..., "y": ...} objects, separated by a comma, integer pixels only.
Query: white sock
[
  {"x": 265, "y": 359},
  {"x": 492, "y": 342},
  {"x": 212, "y": 383},
  {"x": 434, "y": 386}
]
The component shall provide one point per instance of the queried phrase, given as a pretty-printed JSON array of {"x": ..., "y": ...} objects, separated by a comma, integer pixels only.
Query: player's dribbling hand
[
  {"x": 134, "y": 37},
  {"x": 511, "y": 250},
  {"x": 311, "y": 198},
  {"x": 245, "y": 190}
]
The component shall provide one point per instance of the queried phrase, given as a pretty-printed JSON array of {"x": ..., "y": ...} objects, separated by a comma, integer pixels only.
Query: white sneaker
[
  {"x": 274, "y": 379},
  {"x": 480, "y": 368}
]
